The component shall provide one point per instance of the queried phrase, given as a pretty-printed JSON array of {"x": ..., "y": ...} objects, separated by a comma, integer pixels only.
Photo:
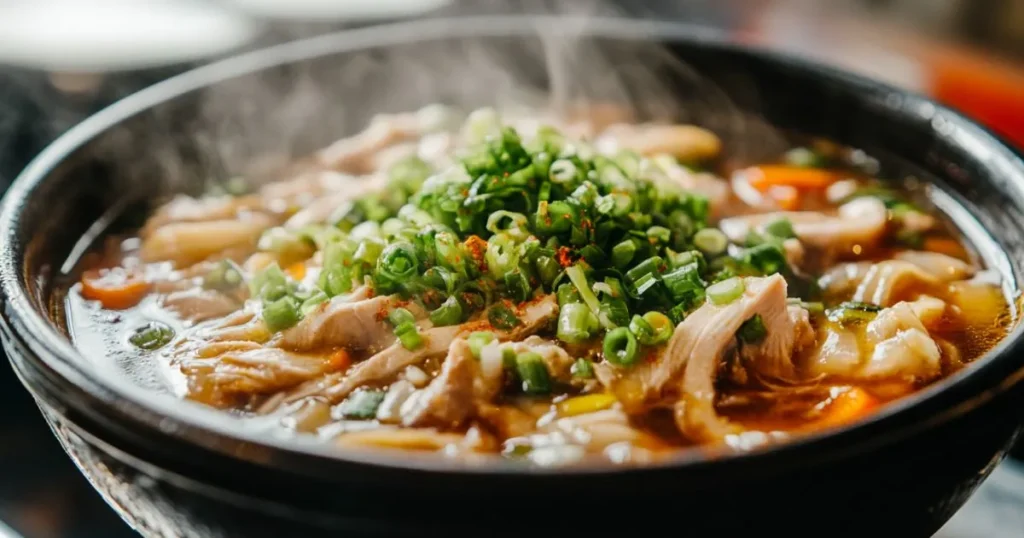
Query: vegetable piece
[
  {"x": 848, "y": 406},
  {"x": 449, "y": 313},
  {"x": 726, "y": 291},
  {"x": 478, "y": 339},
  {"x": 579, "y": 279},
  {"x": 851, "y": 312},
  {"x": 753, "y": 330},
  {"x": 533, "y": 373},
  {"x": 153, "y": 335},
  {"x": 781, "y": 228},
  {"x": 224, "y": 276},
  {"x": 589, "y": 403},
  {"x": 765, "y": 176},
  {"x": 622, "y": 253},
  {"x": 582, "y": 369},
  {"x": 115, "y": 289},
  {"x": 620, "y": 347},
  {"x": 576, "y": 323},
  {"x": 409, "y": 335},
  {"x": 362, "y": 404},
  {"x": 710, "y": 241},
  {"x": 282, "y": 313},
  {"x": 805, "y": 158},
  {"x": 269, "y": 284},
  {"x": 502, "y": 317},
  {"x": 401, "y": 316},
  {"x": 660, "y": 328}
]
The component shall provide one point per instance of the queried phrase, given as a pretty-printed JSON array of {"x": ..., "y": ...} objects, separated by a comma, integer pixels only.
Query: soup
[{"x": 544, "y": 289}]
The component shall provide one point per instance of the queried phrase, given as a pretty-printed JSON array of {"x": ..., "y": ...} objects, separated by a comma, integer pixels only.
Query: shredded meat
[{"x": 895, "y": 345}]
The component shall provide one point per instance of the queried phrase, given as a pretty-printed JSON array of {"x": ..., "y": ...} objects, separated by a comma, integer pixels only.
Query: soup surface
[{"x": 543, "y": 289}]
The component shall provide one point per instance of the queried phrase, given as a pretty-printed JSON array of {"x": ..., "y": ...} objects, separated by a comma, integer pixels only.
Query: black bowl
[{"x": 172, "y": 468}]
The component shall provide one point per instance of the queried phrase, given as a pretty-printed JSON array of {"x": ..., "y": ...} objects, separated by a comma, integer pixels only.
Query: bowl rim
[{"x": 213, "y": 430}]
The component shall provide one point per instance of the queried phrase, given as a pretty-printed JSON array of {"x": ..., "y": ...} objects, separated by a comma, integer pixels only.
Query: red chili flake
[
  {"x": 477, "y": 247},
  {"x": 564, "y": 256},
  {"x": 480, "y": 325}
]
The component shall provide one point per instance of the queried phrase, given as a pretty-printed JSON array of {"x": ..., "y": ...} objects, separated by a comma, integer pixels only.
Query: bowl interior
[{"x": 252, "y": 114}]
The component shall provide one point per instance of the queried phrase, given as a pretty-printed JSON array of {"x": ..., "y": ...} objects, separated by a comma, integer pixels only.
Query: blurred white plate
[{"x": 103, "y": 35}]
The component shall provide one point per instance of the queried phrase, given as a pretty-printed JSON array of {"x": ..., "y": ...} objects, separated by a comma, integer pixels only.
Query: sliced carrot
[
  {"x": 297, "y": 270},
  {"x": 945, "y": 245},
  {"x": 115, "y": 289},
  {"x": 848, "y": 406},
  {"x": 768, "y": 175},
  {"x": 340, "y": 361},
  {"x": 787, "y": 198}
]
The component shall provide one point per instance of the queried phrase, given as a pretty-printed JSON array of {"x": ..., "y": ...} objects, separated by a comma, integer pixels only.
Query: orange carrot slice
[
  {"x": 115, "y": 289},
  {"x": 768, "y": 175}
]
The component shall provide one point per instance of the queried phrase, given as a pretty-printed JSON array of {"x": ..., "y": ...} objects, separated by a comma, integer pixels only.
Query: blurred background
[{"x": 61, "y": 60}]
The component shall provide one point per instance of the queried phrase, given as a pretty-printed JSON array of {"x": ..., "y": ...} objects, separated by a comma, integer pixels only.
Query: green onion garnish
[
  {"x": 533, "y": 373},
  {"x": 711, "y": 241},
  {"x": 753, "y": 330},
  {"x": 152, "y": 335},
  {"x": 726, "y": 291},
  {"x": 620, "y": 347}
]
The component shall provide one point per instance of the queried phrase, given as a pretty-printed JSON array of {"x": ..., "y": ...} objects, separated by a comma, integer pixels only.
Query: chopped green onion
[
  {"x": 288, "y": 246},
  {"x": 710, "y": 241},
  {"x": 449, "y": 313},
  {"x": 224, "y": 276},
  {"x": 478, "y": 339},
  {"x": 805, "y": 158},
  {"x": 660, "y": 328},
  {"x": 152, "y": 335},
  {"x": 623, "y": 253},
  {"x": 582, "y": 369},
  {"x": 362, "y": 404},
  {"x": 620, "y": 347},
  {"x": 547, "y": 269},
  {"x": 645, "y": 282},
  {"x": 409, "y": 335},
  {"x": 567, "y": 294},
  {"x": 576, "y": 323},
  {"x": 684, "y": 281},
  {"x": 316, "y": 298},
  {"x": 768, "y": 258},
  {"x": 661, "y": 234},
  {"x": 562, "y": 171},
  {"x": 269, "y": 284},
  {"x": 814, "y": 308},
  {"x": 650, "y": 266},
  {"x": 533, "y": 373},
  {"x": 781, "y": 228},
  {"x": 614, "y": 204},
  {"x": 502, "y": 317},
  {"x": 640, "y": 328},
  {"x": 614, "y": 313},
  {"x": 282, "y": 313},
  {"x": 753, "y": 330},
  {"x": 726, "y": 291},
  {"x": 579, "y": 279},
  {"x": 401, "y": 316},
  {"x": 397, "y": 265},
  {"x": 850, "y": 312},
  {"x": 517, "y": 223}
]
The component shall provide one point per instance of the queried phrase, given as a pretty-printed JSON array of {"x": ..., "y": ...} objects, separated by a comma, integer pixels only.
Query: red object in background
[{"x": 987, "y": 90}]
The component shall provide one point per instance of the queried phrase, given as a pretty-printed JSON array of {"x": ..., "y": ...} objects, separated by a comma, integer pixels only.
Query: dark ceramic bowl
[{"x": 172, "y": 468}]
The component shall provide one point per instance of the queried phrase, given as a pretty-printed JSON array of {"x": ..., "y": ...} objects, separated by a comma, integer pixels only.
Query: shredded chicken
[
  {"x": 859, "y": 222},
  {"x": 359, "y": 325}
]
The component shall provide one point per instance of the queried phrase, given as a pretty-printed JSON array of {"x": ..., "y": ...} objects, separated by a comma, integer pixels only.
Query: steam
[{"x": 257, "y": 123}]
